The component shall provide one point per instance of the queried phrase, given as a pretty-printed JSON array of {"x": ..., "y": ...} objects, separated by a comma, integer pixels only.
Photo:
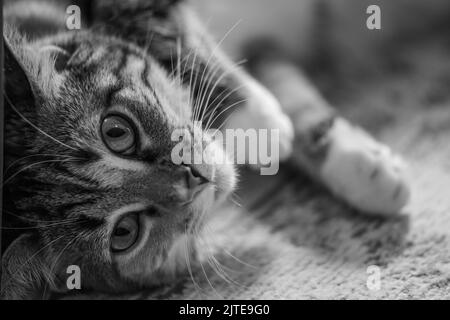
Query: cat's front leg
[
  {"x": 346, "y": 159},
  {"x": 262, "y": 111}
]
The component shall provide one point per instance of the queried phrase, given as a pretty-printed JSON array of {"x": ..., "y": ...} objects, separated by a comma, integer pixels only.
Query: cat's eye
[
  {"x": 125, "y": 233},
  {"x": 118, "y": 134}
]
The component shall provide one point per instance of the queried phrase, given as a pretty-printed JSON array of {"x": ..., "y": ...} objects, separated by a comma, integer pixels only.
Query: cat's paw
[
  {"x": 263, "y": 111},
  {"x": 363, "y": 172}
]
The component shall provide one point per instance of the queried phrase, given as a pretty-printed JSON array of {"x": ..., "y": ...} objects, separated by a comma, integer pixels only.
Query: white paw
[
  {"x": 262, "y": 111},
  {"x": 364, "y": 172}
]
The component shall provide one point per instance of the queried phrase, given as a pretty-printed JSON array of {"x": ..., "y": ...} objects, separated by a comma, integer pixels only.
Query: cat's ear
[
  {"x": 18, "y": 89},
  {"x": 22, "y": 269},
  {"x": 61, "y": 55}
]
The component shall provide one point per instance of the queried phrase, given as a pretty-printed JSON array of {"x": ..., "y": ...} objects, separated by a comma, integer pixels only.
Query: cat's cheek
[{"x": 183, "y": 248}]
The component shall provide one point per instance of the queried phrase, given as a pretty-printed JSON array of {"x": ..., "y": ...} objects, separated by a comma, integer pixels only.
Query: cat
[{"x": 89, "y": 179}]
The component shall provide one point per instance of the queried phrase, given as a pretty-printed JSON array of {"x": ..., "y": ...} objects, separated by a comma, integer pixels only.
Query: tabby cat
[{"x": 89, "y": 179}]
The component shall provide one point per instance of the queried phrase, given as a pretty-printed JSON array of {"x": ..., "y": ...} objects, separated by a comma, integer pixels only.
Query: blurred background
[
  {"x": 313, "y": 29},
  {"x": 330, "y": 42}
]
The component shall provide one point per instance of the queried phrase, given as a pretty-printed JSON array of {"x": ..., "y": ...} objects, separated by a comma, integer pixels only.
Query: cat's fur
[{"x": 150, "y": 61}]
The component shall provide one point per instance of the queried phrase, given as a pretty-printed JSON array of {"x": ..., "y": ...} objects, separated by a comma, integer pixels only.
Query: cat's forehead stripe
[
  {"x": 145, "y": 81},
  {"x": 134, "y": 71},
  {"x": 134, "y": 65}
]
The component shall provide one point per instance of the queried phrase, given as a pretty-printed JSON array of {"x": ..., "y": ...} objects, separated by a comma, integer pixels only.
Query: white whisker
[
  {"x": 33, "y": 164},
  {"x": 35, "y": 127}
]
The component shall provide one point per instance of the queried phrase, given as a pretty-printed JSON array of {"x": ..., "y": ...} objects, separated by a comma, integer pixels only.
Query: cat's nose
[{"x": 193, "y": 177}]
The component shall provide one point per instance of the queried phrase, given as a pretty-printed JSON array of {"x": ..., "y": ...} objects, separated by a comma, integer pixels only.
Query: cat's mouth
[
  {"x": 195, "y": 193},
  {"x": 197, "y": 207}
]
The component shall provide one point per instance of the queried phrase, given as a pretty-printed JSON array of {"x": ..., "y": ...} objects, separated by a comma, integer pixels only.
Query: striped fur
[{"x": 64, "y": 189}]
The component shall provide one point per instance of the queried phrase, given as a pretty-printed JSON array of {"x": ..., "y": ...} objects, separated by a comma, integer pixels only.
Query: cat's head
[{"x": 90, "y": 130}]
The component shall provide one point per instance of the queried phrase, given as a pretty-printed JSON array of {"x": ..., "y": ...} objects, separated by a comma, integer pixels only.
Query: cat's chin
[
  {"x": 181, "y": 259},
  {"x": 183, "y": 254}
]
